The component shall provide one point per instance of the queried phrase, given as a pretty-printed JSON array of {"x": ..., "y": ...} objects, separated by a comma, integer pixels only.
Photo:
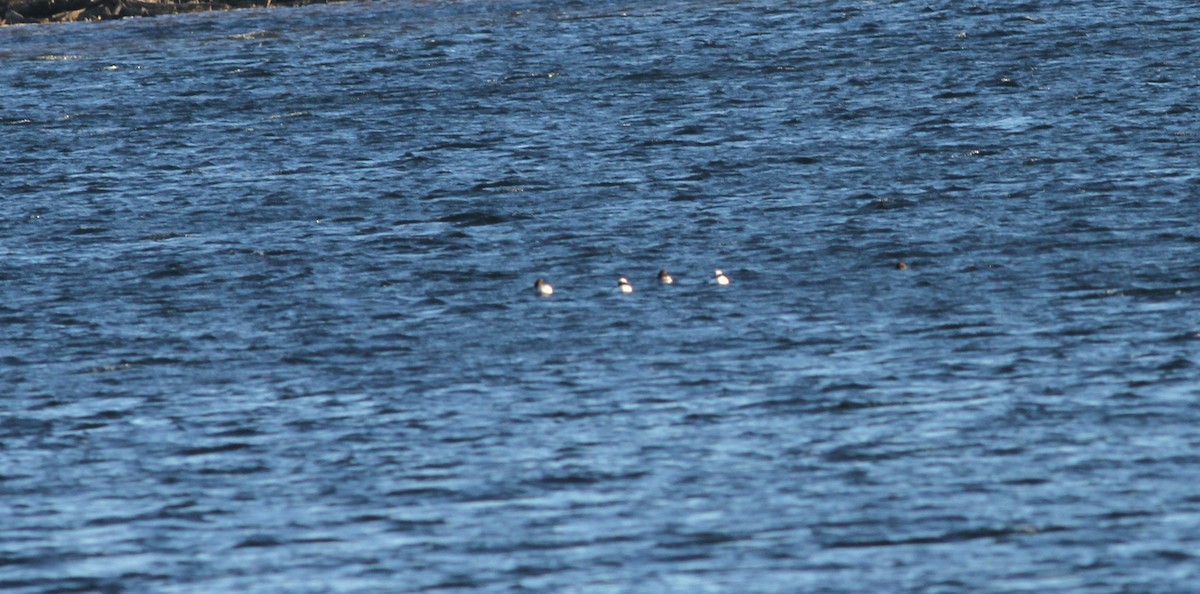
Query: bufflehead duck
[
  {"x": 543, "y": 288},
  {"x": 665, "y": 277},
  {"x": 721, "y": 278},
  {"x": 626, "y": 288}
]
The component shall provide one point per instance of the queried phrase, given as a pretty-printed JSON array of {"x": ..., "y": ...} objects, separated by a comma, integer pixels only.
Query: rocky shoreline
[{"x": 21, "y": 12}]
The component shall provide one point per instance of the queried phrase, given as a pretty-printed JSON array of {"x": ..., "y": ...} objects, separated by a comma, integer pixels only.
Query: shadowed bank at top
[{"x": 21, "y": 12}]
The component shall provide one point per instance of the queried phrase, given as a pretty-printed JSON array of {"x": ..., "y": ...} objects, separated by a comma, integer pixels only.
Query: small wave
[
  {"x": 258, "y": 541},
  {"x": 57, "y": 57},
  {"x": 255, "y": 35},
  {"x": 582, "y": 477},
  {"x": 476, "y": 308},
  {"x": 1174, "y": 555},
  {"x": 1024, "y": 19},
  {"x": 217, "y": 449},
  {"x": 473, "y": 219},
  {"x": 1176, "y": 364},
  {"x": 290, "y": 114},
  {"x": 1000, "y": 82},
  {"x": 234, "y": 470},
  {"x": 165, "y": 236},
  {"x": 108, "y": 368},
  {"x": 846, "y": 386},
  {"x": 948, "y": 537},
  {"x": 702, "y": 538},
  {"x": 886, "y": 203},
  {"x": 422, "y": 493},
  {"x": 949, "y": 95},
  {"x": 531, "y": 76},
  {"x": 804, "y": 160},
  {"x": 88, "y": 230},
  {"x": 461, "y": 144},
  {"x": 172, "y": 270},
  {"x": 402, "y": 525}
]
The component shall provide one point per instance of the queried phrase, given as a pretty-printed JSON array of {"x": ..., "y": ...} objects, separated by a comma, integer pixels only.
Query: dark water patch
[
  {"x": 950, "y": 537},
  {"x": 460, "y": 582},
  {"x": 884, "y": 203},
  {"x": 403, "y": 525},
  {"x": 701, "y": 419},
  {"x": 853, "y": 405},
  {"x": 68, "y": 585},
  {"x": 949, "y": 95},
  {"x": 258, "y": 542},
  {"x": 868, "y": 454},
  {"x": 1177, "y": 364},
  {"x": 238, "y": 432},
  {"x": 108, "y": 415},
  {"x": 845, "y": 387},
  {"x": 173, "y": 270},
  {"x": 165, "y": 236},
  {"x": 233, "y": 470},
  {"x": 116, "y": 520},
  {"x": 217, "y": 449},
  {"x": 1174, "y": 556},
  {"x": 570, "y": 415},
  {"x": 423, "y": 493},
  {"x": 476, "y": 309},
  {"x": 581, "y": 477},
  {"x": 698, "y": 539}
]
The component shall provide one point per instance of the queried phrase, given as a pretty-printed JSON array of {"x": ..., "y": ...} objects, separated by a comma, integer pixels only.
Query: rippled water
[{"x": 268, "y": 323}]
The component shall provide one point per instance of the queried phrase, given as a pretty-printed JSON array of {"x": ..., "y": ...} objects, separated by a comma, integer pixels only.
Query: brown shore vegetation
[{"x": 21, "y": 12}]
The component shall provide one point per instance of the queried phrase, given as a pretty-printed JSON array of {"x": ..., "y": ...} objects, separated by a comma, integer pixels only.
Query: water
[{"x": 268, "y": 320}]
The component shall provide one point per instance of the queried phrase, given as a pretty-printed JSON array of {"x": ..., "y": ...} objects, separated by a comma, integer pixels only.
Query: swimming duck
[
  {"x": 665, "y": 277},
  {"x": 721, "y": 278},
  {"x": 623, "y": 283},
  {"x": 901, "y": 265},
  {"x": 543, "y": 288}
]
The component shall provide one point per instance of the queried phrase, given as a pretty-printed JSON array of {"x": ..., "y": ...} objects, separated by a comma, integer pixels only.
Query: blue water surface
[{"x": 267, "y": 321}]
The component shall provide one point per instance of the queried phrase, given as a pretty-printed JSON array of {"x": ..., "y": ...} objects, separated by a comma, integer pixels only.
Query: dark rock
[
  {"x": 15, "y": 18},
  {"x": 16, "y": 12}
]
